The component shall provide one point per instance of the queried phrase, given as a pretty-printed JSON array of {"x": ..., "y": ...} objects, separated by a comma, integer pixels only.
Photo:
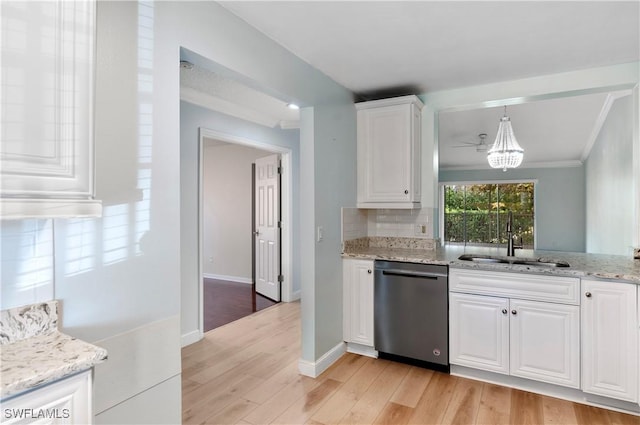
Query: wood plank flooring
[
  {"x": 246, "y": 372},
  {"x": 225, "y": 302}
]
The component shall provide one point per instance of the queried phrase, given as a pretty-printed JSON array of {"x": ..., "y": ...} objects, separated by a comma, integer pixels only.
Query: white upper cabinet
[
  {"x": 46, "y": 153},
  {"x": 389, "y": 140}
]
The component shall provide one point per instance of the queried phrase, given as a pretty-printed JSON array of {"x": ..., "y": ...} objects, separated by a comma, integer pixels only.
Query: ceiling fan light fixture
[{"x": 505, "y": 152}]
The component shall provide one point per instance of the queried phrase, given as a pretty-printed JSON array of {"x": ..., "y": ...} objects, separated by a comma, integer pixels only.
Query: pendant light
[{"x": 505, "y": 152}]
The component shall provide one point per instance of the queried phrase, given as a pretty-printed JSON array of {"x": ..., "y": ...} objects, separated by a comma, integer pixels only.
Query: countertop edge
[
  {"x": 49, "y": 358},
  {"x": 423, "y": 258}
]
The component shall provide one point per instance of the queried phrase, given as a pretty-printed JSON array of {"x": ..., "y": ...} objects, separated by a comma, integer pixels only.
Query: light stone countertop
[
  {"x": 613, "y": 267},
  {"x": 34, "y": 353}
]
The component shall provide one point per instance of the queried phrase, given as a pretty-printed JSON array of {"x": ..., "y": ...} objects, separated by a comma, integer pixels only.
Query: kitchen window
[{"x": 476, "y": 213}]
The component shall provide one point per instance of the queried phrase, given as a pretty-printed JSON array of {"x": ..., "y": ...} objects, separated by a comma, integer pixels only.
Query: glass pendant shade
[{"x": 505, "y": 152}]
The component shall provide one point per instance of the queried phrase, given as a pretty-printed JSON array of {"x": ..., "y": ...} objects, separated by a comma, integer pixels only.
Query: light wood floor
[{"x": 246, "y": 373}]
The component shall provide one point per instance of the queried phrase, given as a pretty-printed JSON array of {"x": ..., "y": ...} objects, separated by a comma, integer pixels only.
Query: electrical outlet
[{"x": 420, "y": 229}]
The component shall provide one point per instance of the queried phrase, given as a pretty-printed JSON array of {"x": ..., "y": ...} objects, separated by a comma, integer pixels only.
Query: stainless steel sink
[
  {"x": 536, "y": 262},
  {"x": 541, "y": 263},
  {"x": 482, "y": 258}
]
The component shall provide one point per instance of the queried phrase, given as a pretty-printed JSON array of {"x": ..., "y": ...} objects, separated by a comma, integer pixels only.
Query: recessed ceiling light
[{"x": 292, "y": 106}]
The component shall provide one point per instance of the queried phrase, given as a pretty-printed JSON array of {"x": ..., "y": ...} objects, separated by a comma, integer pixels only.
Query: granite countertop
[
  {"x": 34, "y": 352},
  {"x": 614, "y": 267}
]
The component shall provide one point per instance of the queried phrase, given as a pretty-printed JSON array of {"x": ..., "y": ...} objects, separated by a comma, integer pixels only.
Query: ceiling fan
[{"x": 481, "y": 145}]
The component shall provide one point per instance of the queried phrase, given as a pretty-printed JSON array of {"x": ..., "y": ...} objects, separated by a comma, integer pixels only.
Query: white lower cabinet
[
  {"x": 358, "y": 301},
  {"x": 610, "y": 339},
  {"x": 530, "y": 339},
  {"x": 545, "y": 342},
  {"x": 67, "y": 401},
  {"x": 479, "y": 334}
]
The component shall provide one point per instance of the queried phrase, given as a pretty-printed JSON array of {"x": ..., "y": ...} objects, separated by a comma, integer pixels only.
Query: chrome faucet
[{"x": 511, "y": 248}]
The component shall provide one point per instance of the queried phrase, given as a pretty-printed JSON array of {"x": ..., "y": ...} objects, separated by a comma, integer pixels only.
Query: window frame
[{"x": 441, "y": 205}]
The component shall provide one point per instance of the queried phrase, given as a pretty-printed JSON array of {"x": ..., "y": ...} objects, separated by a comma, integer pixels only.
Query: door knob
[
  {"x": 514, "y": 312},
  {"x": 256, "y": 233},
  {"x": 587, "y": 294},
  {"x": 406, "y": 192},
  {"x": 369, "y": 271},
  {"x": 504, "y": 311}
]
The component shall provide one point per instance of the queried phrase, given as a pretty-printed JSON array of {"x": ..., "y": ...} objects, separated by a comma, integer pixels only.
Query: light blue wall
[
  {"x": 119, "y": 276},
  {"x": 214, "y": 33},
  {"x": 192, "y": 117},
  {"x": 335, "y": 176},
  {"x": 609, "y": 182},
  {"x": 559, "y": 202}
]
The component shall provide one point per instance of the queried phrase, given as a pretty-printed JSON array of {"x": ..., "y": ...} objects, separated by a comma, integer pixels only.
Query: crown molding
[
  {"x": 525, "y": 165},
  {"x": 602, "y": 117}
]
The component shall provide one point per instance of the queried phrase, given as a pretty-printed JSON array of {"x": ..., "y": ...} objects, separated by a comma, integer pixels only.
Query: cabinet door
[
  {"x": 358, "y": 301},
  {"x": 384, "y": 154},
  {"x": 545, "y": 342},
  {"x": 46, "y": 154},
  {"x": 63, "y": 402},
  {"x": 610, "y": 339},
  {"x": 479, "y": 332}
]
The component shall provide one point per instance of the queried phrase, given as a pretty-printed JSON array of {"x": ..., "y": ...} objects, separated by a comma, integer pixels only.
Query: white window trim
[{"x": 441, "y": 186}]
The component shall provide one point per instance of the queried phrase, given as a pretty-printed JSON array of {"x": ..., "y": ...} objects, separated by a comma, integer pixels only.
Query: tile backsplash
[
  {"x": 354, "y": 223},
  {"x": 26, "y": 269},
  {"x": 358, "y": 223}
]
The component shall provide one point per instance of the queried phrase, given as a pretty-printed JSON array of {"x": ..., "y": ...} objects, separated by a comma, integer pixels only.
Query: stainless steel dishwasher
[{"x": 411, "y": 313}]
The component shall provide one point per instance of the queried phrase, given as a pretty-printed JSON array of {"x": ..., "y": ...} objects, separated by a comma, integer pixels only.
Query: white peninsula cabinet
[
  {"x": 46, "y": 153},
  {"x": 610, "y": 339},
  {"x": 358, "y": 306},
  {"x": 67, "y": 401},
  {"x": 389, "y": 146},
  {"x": 516, "y": 324}
]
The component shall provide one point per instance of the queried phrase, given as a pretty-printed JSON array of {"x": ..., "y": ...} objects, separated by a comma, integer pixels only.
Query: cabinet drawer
[{"x": 564, "y": 290}]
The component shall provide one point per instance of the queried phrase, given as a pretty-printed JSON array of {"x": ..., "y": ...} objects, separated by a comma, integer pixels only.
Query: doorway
[{"x": 226, "y": 234}]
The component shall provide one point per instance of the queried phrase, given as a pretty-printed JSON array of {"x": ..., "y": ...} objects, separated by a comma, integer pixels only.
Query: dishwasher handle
[{"x": 411, "y": 273}]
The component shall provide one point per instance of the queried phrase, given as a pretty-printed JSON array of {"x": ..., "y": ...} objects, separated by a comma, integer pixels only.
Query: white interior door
[{"x": 267, "y": 230}]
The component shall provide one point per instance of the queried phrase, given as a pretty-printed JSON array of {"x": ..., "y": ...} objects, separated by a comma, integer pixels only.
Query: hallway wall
[{"x": 227, "y": 210}]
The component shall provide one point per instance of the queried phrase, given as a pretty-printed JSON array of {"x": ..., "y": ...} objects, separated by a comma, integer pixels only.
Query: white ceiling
[
  {"x": 386, "y": 48},
  {"x": 371, "y": 46},
  {"x": 556, "y": 132}
]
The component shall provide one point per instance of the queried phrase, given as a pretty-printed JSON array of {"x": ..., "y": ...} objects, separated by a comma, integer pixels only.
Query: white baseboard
[
  {"x": 191, "y": 337},
  {"x": 314, "y": 369},
  {"x": 362, "y": 350},
  {"x": 295, "y": 296},
  {"x": 238, "y": 279}
]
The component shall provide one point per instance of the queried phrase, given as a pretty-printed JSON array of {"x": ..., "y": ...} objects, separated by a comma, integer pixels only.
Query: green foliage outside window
[{"x": 477, "y": 214}]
